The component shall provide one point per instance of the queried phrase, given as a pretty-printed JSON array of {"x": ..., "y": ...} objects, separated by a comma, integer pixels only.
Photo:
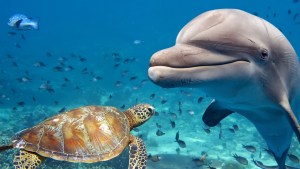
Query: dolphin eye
[{"x": 264, "y": 54}]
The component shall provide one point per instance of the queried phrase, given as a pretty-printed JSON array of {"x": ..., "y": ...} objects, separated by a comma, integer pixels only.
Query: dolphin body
[{"x": 246, "y": 64}]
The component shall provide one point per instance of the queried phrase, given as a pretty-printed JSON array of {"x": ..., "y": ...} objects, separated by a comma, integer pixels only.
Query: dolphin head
[
  {"x": 225, "y": 50},
  {"x": 243, "y": 62}
]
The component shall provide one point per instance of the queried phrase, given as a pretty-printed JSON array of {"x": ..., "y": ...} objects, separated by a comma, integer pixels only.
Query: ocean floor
[{"x": 219, "y": 149}]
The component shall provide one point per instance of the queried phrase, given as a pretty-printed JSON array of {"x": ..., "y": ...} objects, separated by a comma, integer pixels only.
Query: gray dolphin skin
[{"x": 246, "y": 64}]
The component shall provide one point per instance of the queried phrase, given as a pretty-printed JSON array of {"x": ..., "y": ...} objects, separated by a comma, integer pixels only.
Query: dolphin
[{"x": 246, "y": 64}]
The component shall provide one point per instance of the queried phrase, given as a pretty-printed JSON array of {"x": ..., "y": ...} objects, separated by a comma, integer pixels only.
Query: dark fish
[
  {"x": 220, "y": 134},
  {"x": 33, "y": 98},
  {"x": 163, "y": 101},
  {"x": 55, "y": 102},
  {"x": 66, "y": 79},
  {"x": 295, "y": 1},
  {"x": 144, "y": 81},
  {"x": 116, "y": 65},
  {"x": 235, "y": 127},
  {"x": 73, "y": 55},
  {"x": 18, "y": 45},
  {"x": 295, "y": 16},
  {"x": 126, "y": 60},
  {"x": 293, "y": 158},
  {"x": 240, "y": 159},
  {"x": 133, "y": 78},
  {"x": 48, "y": 54},
  {"x": 110, "y": 96},
  {"x": 123, "y": 106},
  {"x": 23, "y": 79},
  {"x": 181, "y": 143},
  {"x": 274, "y": 15},
  {"x": 289, "y": 11},
  {"x": 21, "y": 103},
  {"x": 206, "y": 129},
  {"x": 136, "y": 129},
  {"x": 152, "y": 96},
  {"x": 12, "y": 33},
  {"x": 69, "y": 68},
  {"x": 47, "y": 87},
  {"x": 62, "y": 110},
  {"x": 115, "y": 54},
  {"x": 158, "y": 125},
  {"x": 231, "y": 130},
  {"x": 97, "y": 78},
  {"x": 160, "y": 133},
  {"x": 58, "y": 69},
  {"x": 82, "y": 59},
  {"x": 180, "y": 111},
  {"x": 200, "y": 100},
  {"x": 9, "y": 56},
  {"x": 172, "y": 123},
  {"x": 23, "y": 37},
  {"x": 249, "y": 148},
  {"x": 39, "y": 64},
  {"x": 84, "y": 71},
  {"x": 15, "y": 64},
  {"x": 154, "y": 158}
]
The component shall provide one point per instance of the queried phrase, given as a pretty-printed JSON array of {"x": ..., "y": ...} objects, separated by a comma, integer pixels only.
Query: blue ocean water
[{"x": 97, "y": 53}]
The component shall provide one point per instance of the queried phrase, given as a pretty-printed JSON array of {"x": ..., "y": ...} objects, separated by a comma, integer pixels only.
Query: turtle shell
[{"x": 87, "y": 134}]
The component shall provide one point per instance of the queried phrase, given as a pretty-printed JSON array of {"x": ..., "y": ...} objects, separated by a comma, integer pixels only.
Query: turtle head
[{"x": 139, "y": 114}]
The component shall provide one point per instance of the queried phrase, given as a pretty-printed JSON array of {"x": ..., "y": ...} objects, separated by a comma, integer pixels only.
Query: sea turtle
[{"x": 87, "y": 134}]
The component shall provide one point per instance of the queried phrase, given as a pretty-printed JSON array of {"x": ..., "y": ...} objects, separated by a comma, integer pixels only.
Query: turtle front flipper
[
  {"x": 137, "y": 153},
  {"x": 27, "y": 160}
]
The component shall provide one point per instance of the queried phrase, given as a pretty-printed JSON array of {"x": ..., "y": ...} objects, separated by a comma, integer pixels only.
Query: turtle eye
[{"x": 151, "y": 110}]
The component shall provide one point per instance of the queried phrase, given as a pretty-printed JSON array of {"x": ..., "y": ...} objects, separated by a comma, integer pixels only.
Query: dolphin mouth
[{"x": 187, "y": 65}]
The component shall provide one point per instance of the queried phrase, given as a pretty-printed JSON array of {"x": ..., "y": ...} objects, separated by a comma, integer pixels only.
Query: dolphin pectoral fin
[
  {"x": 291, "y": 117},
  {"x": 215, "y": 113}
]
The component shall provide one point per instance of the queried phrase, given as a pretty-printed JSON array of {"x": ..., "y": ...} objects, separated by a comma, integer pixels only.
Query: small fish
[
  {"x": 58, "y": 69},
  {"x": 231, "y": 130},
  {"x": 206, "y": 129},
  {"x": 48, "y": 54},
  {"x": 97, "y": 78},
  {"x": 62, "y": 110},
  {"x": 15, "y": 64},
  {"x": 22, "y": 36},
  {"x": 12, "y": 33},
  {"x": 163, "y": 101},
  {"x": 47, "y": 87},
  {"x": 172, "y": 123},
  {"x": 180, "y": 111},
  {"x": 55, "y": 102},
  {"x": 110, "y": 97},
  {"x": 181, "y": 143},
  {"x": 235, "y": 127},
  {"x": 123, "y": 106},
  {"x": 158, "y": 125},
  {"x": 82, "y": 59},
  {"x": 152, "y": 96},
  {"x": 126, "y": 60},
  {"x": 136, "y": 129},
  {"x": 295, "y": 16},
  {"x": 133, "y": 78},
  {"x": 200, "y": 100},
  {"x": 18, "y": 45},
  {"x": 24, "y": 79},
  {"x": 220, "y": 134},
  {"x": 154, "y": 158},
  {"x": 137, "y": 42},
  {"x": 249, "y": 148},
  {"x": 191, "y": 112},
  {"x": 160, "y": 133},
  {"x": 39, "y": 64},
  {"x": 116, "y": 65},
  {"x": 240, "y": 159},
  {"x": 293, "y": 158},
  {"x": 66, "y": 79},
  {"x": 33, "y": 98},
  {"x": 21, "y": 104}
]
